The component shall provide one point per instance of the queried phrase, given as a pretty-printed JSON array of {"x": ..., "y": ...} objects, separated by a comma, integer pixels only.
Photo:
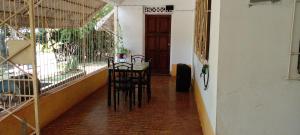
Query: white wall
[
  {"x": 132, "y": 21},
  {"x": 210, "y": 95},
  {"x": 254, "y": 97},
  {"x": 248, "y": 92},
  {"x": 182, "y": 37}
]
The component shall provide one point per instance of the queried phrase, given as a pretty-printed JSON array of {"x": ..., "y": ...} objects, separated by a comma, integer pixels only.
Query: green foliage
[
  {"x": 120, "y": 44},
  {"x": 121, "y": 50},
  {"x": 72, "y": 64},
  {"x": 120, "y": 36},
  {"x": 41, "y": 36},
  {"x": 4, "y": 32},
  {"x": 76, "y": 36},
  {"x": 70, "y": 36},
  {"x": 102, "y": 13}
]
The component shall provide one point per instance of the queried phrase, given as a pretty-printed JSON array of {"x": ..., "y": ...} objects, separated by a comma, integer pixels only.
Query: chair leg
[
  {"x": 144, "y": 89},
  {"x": 142, "y": 94},
  {"x": 126, "y": 95},
  {"x": 130, "y": 99},
  {"x": 118, "y": 93},
  {"x": 149, "y": 92},
  {"x": 133, "y": 96},
  {"x": 115, "y": 104}
]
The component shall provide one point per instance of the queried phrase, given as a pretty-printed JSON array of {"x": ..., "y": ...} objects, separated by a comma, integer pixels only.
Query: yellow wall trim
[
  {"x": 174, "y": 70},
  {"x": 54, "y": 104},
  {"x": 203, "y": 115}
]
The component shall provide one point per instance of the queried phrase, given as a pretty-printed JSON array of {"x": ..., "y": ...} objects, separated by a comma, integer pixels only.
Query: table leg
[
  {"x": 140, "y": 90},
  {"x": 109, "y": 89}
]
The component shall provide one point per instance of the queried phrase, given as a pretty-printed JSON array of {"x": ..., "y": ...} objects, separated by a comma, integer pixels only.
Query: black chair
[
  {"x": 122, "y": 81},
  {"x": 147, "y": 80},
  {"x": 137, "y": 58},
  {"x": 110, "y": 61},
  {"x": 146, "y": 76}
]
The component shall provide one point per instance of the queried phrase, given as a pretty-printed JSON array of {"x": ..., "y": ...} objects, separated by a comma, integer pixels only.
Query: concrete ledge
[
  {"x": 203, "y": 115},
  {"x": 54, "y": 104}
]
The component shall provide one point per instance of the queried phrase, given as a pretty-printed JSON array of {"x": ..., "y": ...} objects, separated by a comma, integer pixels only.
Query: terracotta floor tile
[{"x": 168, "y": 113}]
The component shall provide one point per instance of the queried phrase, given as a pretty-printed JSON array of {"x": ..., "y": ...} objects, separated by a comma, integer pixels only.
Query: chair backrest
[
  {"x": 137, "y": 58},
  {"x": 150, "y": 65},
  {"x": 122, "y": 73},
  {"x": 149, "y": 71},
  {"x": 110, "y": 61}
]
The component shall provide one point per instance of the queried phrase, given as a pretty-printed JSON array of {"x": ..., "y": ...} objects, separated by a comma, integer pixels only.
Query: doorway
[{"x": 157, "y": 42}]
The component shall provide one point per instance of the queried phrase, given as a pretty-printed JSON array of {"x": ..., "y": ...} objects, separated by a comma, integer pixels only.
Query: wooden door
[{"x": 157, "y": 44}]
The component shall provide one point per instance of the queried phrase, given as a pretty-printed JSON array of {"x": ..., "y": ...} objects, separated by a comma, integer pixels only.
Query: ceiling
[{"x": 50, "y": 13}]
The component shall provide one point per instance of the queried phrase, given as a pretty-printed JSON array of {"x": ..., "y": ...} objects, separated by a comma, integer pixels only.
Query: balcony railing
[
  {"x": 46, "y": 44},
  {"x": 58, "y": 63}
]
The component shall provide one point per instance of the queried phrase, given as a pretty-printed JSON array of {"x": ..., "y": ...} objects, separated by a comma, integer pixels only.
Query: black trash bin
[{"x": 183, "y": 78}]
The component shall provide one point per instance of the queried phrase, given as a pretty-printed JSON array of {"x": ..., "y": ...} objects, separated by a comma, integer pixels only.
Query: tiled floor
[{"x": 169, "y": 112}]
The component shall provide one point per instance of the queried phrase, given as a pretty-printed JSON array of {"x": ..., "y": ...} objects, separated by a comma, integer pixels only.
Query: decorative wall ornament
[
  {"x": 157, "y": 10},
  {"x": 202, "y": 29}
]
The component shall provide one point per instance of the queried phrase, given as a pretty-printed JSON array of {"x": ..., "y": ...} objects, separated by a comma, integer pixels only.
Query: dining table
[{"x": 138, "y": 69}]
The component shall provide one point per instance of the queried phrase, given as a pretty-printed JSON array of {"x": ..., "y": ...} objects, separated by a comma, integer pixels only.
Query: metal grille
[{"x": 45, "y": 44}]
